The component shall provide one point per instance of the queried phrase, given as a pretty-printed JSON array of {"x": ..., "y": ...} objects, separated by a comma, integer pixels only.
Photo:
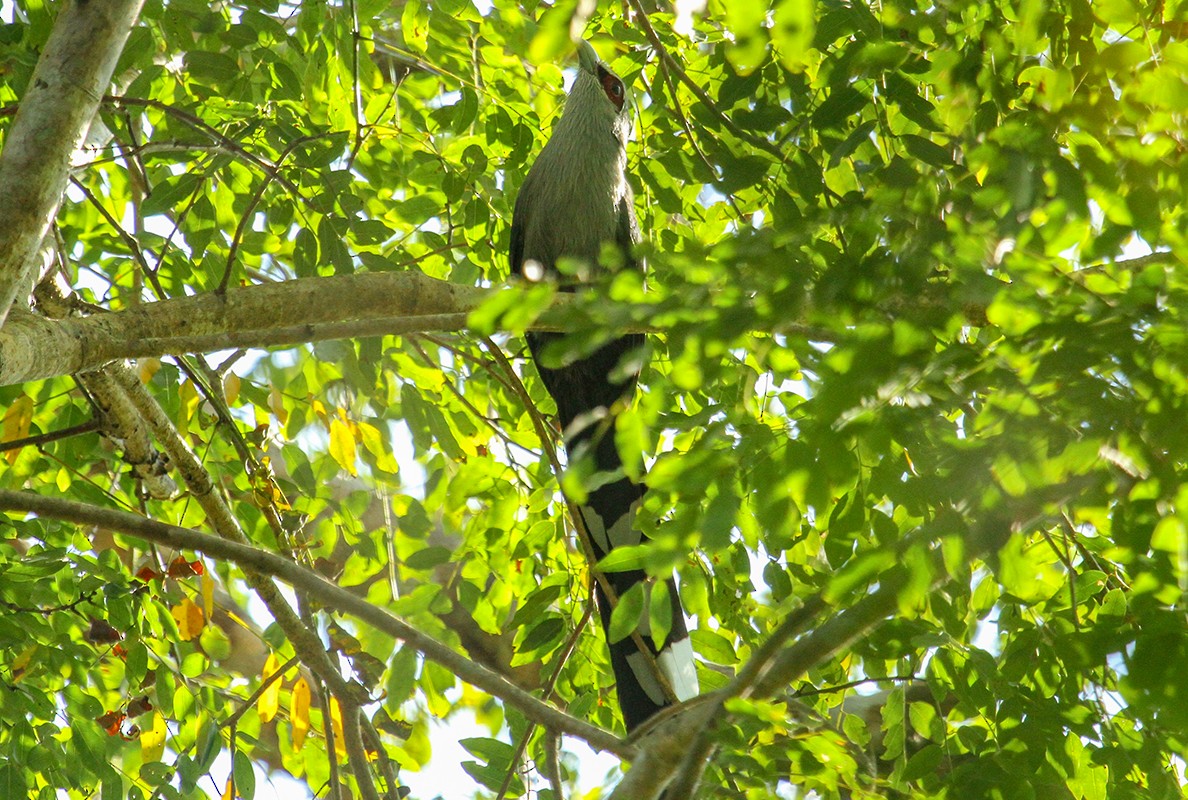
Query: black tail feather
[{"x": 586, "y": 394}]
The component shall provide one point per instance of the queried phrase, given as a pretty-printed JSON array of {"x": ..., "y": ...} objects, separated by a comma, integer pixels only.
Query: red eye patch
[{"x": 612, "y": 86}]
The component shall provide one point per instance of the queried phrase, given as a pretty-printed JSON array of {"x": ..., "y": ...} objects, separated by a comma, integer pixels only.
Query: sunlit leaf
[
  {"x": 342, "y": 445},
  {"x": 299, "y": 712},
  {"x": 189, "y": 618},
  {"x": 152, "y": 740},
  {"x": 627, "y": 614},
  {"x": 17, "y": 419},
  {"x": 269, "y": 701}
]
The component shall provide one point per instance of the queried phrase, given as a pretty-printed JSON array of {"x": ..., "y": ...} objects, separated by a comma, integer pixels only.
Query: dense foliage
[{"x": 916, "y": 281}]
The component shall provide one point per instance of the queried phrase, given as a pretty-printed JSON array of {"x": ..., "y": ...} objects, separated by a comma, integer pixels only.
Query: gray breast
[{"x": 575, "y": 202}]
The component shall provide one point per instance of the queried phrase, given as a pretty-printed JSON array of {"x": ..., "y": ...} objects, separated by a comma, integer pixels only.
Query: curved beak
[{"x": 588, "y": 60}]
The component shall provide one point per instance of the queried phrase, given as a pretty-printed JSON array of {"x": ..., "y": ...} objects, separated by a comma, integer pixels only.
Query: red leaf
[
  {"x": 147, "y": 573},
  {"x": 180, "y": 568},
  {"x": 111, "y": 722}
]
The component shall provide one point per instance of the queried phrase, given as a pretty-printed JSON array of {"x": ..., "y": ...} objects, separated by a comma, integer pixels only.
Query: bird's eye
[{"x": 613, "y": 87}]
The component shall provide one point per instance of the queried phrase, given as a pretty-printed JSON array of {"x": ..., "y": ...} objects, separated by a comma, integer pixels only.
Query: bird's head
[
  {"x": 610, "y": 84},
  {"x": 598, "y": 96}
]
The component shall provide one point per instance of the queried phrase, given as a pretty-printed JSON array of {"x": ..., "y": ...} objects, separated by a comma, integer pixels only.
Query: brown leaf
[{"x": 101, "y": 632}]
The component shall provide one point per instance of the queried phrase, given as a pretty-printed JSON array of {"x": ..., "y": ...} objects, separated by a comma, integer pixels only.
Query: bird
[{"x": 575, "y": 200}]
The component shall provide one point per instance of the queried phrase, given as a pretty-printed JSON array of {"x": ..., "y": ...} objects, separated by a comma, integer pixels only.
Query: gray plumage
[
  {"x": 575, "y": 200},
  {"x": 581, "y": 174}
]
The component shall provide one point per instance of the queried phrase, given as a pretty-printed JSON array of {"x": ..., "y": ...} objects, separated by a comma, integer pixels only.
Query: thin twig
[
  {"x": 705, "y": 99},
  {"x": 546, "y": 693},
  {"x": 260, "y": 561},
  {"x": 553, "y": 766},
  {"x": 1066, "y": 559},
  {"x": 128, "y": 239},
  {"x": 51, "y": 436},
  {"x": 250, "y": 701},
  {"x": 841, "y": 687},
  {"x": 199, "y": 125},
  {"x": 352, "y": 719},
  {"x": 257, "y": 196}
]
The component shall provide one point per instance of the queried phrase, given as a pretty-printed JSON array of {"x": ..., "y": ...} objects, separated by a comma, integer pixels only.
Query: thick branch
[
  {"x": 71, "y": 76},
  {"x": 219, "y": 515},
  {"x": 123, "y": 422},
  {"x": 32, "y": 348},
  {"x": 775, "y": 665},
  {"x": 325, "y": 592}
]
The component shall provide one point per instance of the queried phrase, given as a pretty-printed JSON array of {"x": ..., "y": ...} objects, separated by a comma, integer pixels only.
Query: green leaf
[
  {"x": 713, "y": 647},
  {"x": 543, "y": 637},
  {"x": 718, "y": 522},
  {"x": 428, "y": 558},
  {"x": 245, "y": 776},
  {"x": 627, "y": 614},
  {"x": 511, "y": 309},
  {"x": 923, "y": 763},
  {"x": 401, "y": 677},
  {"x": 659, "y": 612},
  {"x": 112, "y": 788},
  {"x": 492, "y": 751},
  {"x": 927, "y": 151},
  {"x": 209, "y": 744},
  {"x": 414, "y": 25},
  {"x": 627, "y": 557},
  {"x": 841, "y": 103},
  {"x": 793, "y": 26},
  {"x": 214, "y": 67}
]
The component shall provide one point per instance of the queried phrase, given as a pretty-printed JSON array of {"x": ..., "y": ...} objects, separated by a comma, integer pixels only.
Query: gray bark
[
  {"x": 264, "y": 315},
  {"x": 55, "y": 113}
]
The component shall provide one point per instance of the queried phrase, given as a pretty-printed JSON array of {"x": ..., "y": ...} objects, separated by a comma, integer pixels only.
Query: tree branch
[
  {"x": 261, "y": 315},
  {"x": 690, "y": 740},
  {"x": 369, "y": 303},
  {"x": 54, "y": 115},
  {"x": 667, "y": 59},
  {"x": 305, "y": 641},
  {"x": 325, "y": 592},
  {"x": 122, "y": 422},
  {"x": 223, "y": 143},
  {"x": 41, "y": 439}
]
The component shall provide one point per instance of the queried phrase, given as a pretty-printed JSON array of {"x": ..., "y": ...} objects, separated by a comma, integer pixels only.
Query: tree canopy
[{"x": 281, "y": 486}]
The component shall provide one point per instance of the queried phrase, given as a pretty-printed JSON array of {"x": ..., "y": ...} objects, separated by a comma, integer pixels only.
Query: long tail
[{"x": 585, "y": 393}]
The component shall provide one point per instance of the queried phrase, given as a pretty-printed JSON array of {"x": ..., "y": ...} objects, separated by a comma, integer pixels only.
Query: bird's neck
[
  {"x": 588, "y": 128},
  {"x": 587, "y": 154}
]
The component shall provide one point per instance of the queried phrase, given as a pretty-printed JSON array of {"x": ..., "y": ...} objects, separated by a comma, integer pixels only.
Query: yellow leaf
[
  {"x": 152, "y": 740},
  {"x": 148, "y": 368},
  {"x": 208, "y": 587},
  {"x": 189, "y": 619},
  {"x": 416, "y": 750},
  {"x": 63, "y": 480},
  {"x": 374, "y": 444},
  {"x": 238, "y": 620},
  {"x": 342, "y": 445},
  {"x": 229, "y": 792},
  {"x": 16, "y": 423},
  {"x": 320, "y": 410},
  {"x": 188, "y": 401},
  {"x": 336, "y": 722},
  {"x": 17, "y": 668},
  {"x": 269, "y": 700},
  {"x": 299, "y": 712},
  {"x": 231, "y": 388},
  {"x": 276, "y": 403}
]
